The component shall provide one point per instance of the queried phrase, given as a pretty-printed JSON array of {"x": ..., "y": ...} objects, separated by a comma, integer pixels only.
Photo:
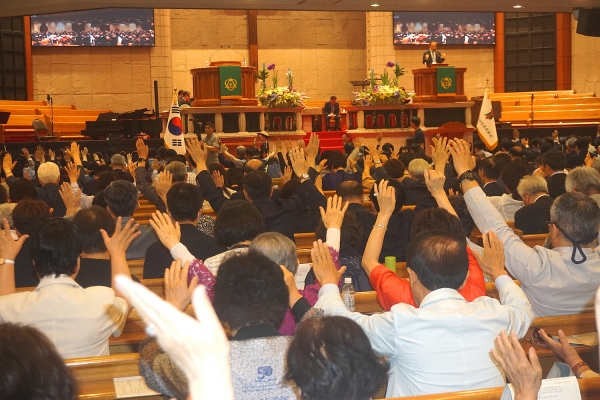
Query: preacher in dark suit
[
  {"x": 532, "y": 217},
  {"x": 432, "y": 56},
  {"x": 332, "y": 109}
]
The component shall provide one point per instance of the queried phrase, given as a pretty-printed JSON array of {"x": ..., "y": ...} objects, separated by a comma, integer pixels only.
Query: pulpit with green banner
[
  {"x": 230, "y": 77},
  {"x": 224, "y": 83},
  {"x": 446, "y": 81},
  {"x": 439, "y": 83}
]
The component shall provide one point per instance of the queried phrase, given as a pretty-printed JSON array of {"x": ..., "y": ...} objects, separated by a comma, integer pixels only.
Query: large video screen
[
  {"x": 465, "y": 28},
  {"x": 92, "y": 28}
]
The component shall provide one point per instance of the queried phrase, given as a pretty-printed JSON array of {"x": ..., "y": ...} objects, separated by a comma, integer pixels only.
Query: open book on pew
[
  {"x": 132, "y": 386},
  {"x": 551, "y": 389}
]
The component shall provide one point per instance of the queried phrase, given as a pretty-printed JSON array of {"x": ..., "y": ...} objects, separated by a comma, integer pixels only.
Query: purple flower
[
  {"x": 271, "y": 67},
  {"x": 390, "y": 64}
]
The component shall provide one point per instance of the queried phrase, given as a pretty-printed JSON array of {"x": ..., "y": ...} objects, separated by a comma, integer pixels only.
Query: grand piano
[{"x": 127, "y": 125}]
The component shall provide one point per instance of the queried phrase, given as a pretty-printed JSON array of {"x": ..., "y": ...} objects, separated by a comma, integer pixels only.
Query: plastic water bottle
[{"x": 348, "y": 294}]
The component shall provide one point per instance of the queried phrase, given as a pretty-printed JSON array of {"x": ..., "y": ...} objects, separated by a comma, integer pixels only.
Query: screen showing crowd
[
  {"x": 106, "y": 27},
  {"x": 466, "y": 28}
]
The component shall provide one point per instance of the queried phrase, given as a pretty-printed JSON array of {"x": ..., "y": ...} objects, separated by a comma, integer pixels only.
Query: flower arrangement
[
  {"x": 279, "y": 96},
  {"x": 388, "y": 92}
]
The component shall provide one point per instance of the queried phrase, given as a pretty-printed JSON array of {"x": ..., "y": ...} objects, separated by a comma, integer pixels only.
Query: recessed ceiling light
[
  {"x": 518, "y": 6},
  {"x": 374, "y": 5}
]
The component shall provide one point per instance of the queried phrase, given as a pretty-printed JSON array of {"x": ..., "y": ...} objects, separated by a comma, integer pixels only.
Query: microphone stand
[
  {"x": 531, "y": 113},
  {"x": 51, "y": 102}
]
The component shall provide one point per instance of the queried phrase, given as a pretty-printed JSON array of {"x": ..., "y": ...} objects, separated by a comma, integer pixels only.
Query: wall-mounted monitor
[
  {"x": 93, "y": 28},
  {"x": 452, "y": 28}
]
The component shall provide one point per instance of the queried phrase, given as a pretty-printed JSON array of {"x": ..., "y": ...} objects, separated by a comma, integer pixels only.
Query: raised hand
[
  {"x": 218, "y": 178},
  {"x": 72, "y": 171},
  {"x": 439, "y": 153},
  {"x": 286, "y": 176},
  {"x": 386, "y": 198},
  {"x": 312, "y": 149},
  {"x": 198, "y": 345},
  {"x": 368, "y": 162},
  {"x": 71, "y": 200},
  {"x": 142, "y": 149},
  {"x": 168, "y": 233},
  {"x": 434, "y": 181},
  {"x": 25, "y": 152},
  {"x": 323, "y": 265},
  {"x": 177, "y": 291},
  {"x": 8, "y": 164},
  {"x": 290, "y": 282},
  {"x": 299, "y": 163},
  {"x": 461, "y": 155},
  {"x": 163, "y": 183},
  {"x": 525, "y": 375},
  {"x": 119, "y": 242},
  {"x": 75, "y": 153},
  {"x": 334, "y": 215},
  {"x": 39, "y": 154},
  {"x": 197, "y": 151},
  {"x": 492, "y": 261},
  {"x": 9, "y": 248}
]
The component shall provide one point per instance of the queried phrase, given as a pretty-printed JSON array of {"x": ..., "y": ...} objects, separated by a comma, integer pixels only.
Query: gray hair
[
  {"x": 531, "y": 185},
  {"x": 417, "y": 168},
  {"x": 584, "y": 180},
  {"x": 178, "y": 171},
  {"x": 118, "y": 159},
  {"x": 48, "y": 173},
  {"x": 571, "y": 142},
  {"x": 277, "y": 248},
  {"x": 576, "y": 214},
  {"x": 6, "y": 210}
]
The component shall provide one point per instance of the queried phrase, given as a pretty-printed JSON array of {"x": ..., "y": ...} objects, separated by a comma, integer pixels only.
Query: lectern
[
  {"x": 207, "y": 86},
  {"x": 426, "y": 85}
]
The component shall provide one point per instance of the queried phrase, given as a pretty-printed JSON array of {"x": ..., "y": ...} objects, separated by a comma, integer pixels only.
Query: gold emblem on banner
[
  {"x": 230, "y": 84},
  {"x": 446, "y": 82}
]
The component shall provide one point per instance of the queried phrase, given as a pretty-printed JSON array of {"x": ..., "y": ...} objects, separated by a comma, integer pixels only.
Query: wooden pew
[
  {"x": 95, "y": 375},
  {"x": 136, "y": 267},
  {"x": 31, "y": 103},
  {"x": 589, "y": 388},
  {"x": 535, "y": 240}
]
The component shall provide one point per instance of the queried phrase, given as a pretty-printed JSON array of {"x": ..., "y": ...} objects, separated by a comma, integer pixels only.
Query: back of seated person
[
  {"x": 251, "y": 297},
  {"x": 184, "y": 202},
  {"x": 49, "y": 178},
  {"x": 337, "y": 163},
  {"x": 489, "y": 171},
  {"x": 414, "y": 184},
  {"x": 28, "y": 217},
  {"x": 94, "y": 268},
  {"x": 103, "y": 178},
  {"x": 332, "y": 358},
  {"x": 552, "y": 165},
  {"x": 352, "y": 192},
  {"x": 121, "y": 199},
  {"x": 31, "y": 366},
  {"x": 22, "y": 189},
  {"x": 511, "y": 201},
  {"x": 397, "y": 234},
  {"x": 77, "y": 321},
  {"x": 350, "y": 255},
  {"x": 584, "y": 180},
  {"x": 118, "y": 164},
  {"x": 533, "y": 217}
]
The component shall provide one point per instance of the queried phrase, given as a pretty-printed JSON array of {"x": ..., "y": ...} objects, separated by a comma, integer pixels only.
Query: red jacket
[{"x": 392, "y": 290}]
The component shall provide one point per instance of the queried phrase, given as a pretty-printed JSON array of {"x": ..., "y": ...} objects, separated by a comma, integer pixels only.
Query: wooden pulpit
[
  {"x": 207, "y": 86},
  {"x": 426, "y": 85}
]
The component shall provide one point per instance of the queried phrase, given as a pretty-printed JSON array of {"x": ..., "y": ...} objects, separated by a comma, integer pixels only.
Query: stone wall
[
  {"x": 380, "y": 49},
  {"x": 200, "y": 36},
  {"x": 324, "y": 50},
  {"x": 585, "y": 53}
]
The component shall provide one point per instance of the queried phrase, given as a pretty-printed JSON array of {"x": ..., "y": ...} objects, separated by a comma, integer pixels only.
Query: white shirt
[
  {"x": 77, "y": 321},
  {"x": 506, "y": 205},
  {"x": 444, "y": 345},
  {"x": 551, "y": 281}
]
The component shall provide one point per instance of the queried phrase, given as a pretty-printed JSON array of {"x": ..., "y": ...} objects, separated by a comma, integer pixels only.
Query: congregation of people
[{"x": 69, "y": 230}]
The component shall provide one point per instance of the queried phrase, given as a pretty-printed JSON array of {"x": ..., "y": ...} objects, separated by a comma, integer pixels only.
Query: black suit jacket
[
  {"x": 328, "y": 109},
  {"x": 556, "y": 185},
  {"x": 438, "y": 57},
  {"x": 25, "y": 274},
  {"x": 531, "y": 219},
  {"x": 198, "y": 243},
  {"x": 494, "y": 189},
  {"x": 367, "y": 220}
]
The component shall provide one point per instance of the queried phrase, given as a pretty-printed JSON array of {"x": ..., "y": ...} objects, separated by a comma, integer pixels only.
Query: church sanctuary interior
[{"x": 127, "y": 79}]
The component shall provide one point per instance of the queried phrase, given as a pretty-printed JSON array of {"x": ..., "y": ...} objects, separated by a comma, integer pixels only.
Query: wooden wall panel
[
  {"x": 563, "y": 51},
  {"x": 499, "y": 54}
]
